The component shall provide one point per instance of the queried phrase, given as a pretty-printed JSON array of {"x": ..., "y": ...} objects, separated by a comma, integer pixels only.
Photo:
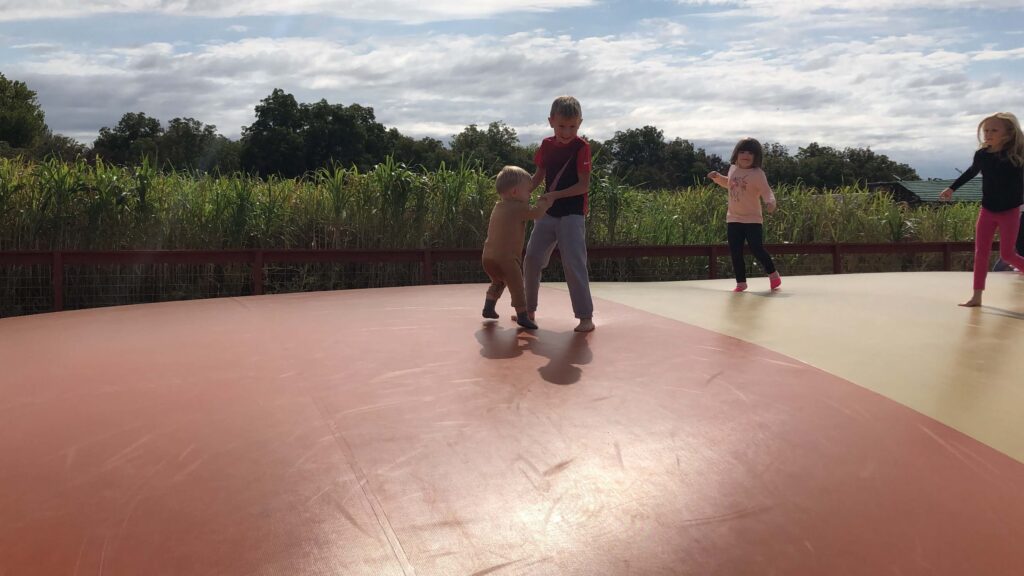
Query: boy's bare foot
[
  {"x": 523, "y": 320},
  {"x": 532, "y": 315},
  {"x": 585, "y": 325}
]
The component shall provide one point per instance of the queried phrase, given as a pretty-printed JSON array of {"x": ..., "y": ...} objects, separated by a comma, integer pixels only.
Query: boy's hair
[
  {"x": 1014, "y": 147},
  {"x": 566, "y": 107},
  {"x": 509, "y": 178},
  {"x": 748, "y": 145}
]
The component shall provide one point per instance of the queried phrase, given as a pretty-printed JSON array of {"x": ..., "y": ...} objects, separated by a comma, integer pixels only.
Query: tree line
[{"x": 289, "y": 139}]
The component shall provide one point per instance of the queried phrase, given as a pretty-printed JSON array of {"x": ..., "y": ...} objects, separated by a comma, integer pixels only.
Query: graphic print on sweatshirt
[{"x": 737, "y": 187}]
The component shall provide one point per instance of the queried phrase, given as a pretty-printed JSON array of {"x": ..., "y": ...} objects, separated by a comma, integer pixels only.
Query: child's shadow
[{"x": 564, "y": 350}]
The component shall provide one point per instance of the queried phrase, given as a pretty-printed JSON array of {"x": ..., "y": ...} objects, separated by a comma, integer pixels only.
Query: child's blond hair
[
  {"x": 566, "y": 107},
  {"x": 1014, "y": 146},
  {"x": 509, "y": 178}
]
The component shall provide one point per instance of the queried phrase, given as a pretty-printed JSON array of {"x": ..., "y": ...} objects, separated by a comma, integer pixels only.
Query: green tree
[
  {"x": 226, "y": 155},
  {"x": 641, "y": 157},
  {"x": 638, "y": 157},
  {"x": 22, "y": 122},
  {"x": 289, "y": 139},
  {"x": 188, "y": 144},
  {"x": 826, "y": 167},
  {"x": 344, "y": 135},
  {"x": 863, "y": 166},
  {"x": 779, "y": 166},
  {"x": 686, "y": 165},
  {"x": 273, "y": 143},
  {"x": 820, "y": 166},
  {"x": 135, "y": 137},
  {"x": 426, "y": 152},
  {"x": 58, "y": 146},
  {"x": 493, "y": 148}
]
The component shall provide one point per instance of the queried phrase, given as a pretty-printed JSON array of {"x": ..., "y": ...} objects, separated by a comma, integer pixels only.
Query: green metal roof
[{"x": 928, "y": 190}]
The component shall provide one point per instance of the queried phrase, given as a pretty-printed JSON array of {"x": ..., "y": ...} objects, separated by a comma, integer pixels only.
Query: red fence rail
[{"x": 57, "y": 260}]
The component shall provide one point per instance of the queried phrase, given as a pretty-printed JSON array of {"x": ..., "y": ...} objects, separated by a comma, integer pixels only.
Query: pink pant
[{"x": 1008, "y": 223}]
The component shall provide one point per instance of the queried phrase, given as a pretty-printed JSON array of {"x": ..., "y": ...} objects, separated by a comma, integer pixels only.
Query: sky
[{"x": 910, "y": 79}]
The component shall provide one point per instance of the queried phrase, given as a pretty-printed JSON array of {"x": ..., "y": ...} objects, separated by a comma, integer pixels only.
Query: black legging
[{"x": 754, "y": 235}]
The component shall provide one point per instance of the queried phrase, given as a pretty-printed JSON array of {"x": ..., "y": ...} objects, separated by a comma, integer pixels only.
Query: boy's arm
[
  {"x": 576, "y": 189},
  {"x": 538, "y": 177},
  {"x": 540, "y": 208}
]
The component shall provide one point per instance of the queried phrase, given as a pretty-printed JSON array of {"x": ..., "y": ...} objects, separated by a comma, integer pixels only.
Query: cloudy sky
[{"x": 909, "y": 78}]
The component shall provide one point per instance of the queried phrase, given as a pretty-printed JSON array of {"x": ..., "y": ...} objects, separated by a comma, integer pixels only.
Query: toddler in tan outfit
[{"x": 506, "y": 231}]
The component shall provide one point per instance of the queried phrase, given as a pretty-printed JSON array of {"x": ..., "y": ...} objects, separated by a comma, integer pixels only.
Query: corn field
[{"x": 80, "y": 206}]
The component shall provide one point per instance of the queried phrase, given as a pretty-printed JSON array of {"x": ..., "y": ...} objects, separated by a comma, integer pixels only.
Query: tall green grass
[
  {"x": 52, "y": 205},
  {"x": 80, "y": 206}
]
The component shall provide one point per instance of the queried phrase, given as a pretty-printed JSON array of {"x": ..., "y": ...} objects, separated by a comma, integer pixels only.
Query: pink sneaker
[
  {"x": 775, "y": 281},
  {"x": 740, "y": 287}
]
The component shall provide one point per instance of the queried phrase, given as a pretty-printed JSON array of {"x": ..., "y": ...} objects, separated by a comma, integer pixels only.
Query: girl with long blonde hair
[{"x": 1000, "y": 160}]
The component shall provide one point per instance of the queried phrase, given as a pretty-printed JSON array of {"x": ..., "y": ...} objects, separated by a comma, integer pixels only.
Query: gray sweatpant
[{"x": 569, "y": 233}]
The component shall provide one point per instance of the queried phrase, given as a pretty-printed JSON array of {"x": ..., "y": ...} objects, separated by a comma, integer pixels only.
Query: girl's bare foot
[
  {"x": 585, "y": 325},
  {"x": 974, "y": 301}
]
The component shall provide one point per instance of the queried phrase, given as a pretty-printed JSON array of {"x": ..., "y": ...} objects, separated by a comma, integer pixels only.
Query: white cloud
[
  {"x": 796, "y": 6},
  {"x": 899, "y": 95},
  {"x": 37, "y": 47},
  {"x": 990, "y": 54},
  {"x": 409, "y": 11}
]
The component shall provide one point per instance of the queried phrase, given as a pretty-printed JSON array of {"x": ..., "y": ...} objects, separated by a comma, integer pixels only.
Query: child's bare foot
[
  {"x": 775, "y": 280},
  {"x": 740, "y": 287},
  {"x": 523, "y": 320},
  {"x": 974, "y": 301},
  {"x": 489, "y": 311},
  {"x": 585, "y": 325},
  {"x": 532, "y": 315}
]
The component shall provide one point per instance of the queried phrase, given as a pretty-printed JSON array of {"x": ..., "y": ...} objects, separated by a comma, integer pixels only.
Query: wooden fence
[{"x": 57, "y": 260}]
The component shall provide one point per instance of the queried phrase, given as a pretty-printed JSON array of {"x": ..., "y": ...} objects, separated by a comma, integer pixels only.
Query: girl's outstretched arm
[{"x": 717, "y": 178}]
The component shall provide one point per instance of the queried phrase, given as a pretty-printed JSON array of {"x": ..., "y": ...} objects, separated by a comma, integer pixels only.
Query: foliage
[
  {"x": 825, "y": 167},
  {"x": 492, "y": 148},
  {"x": 98, "y": 206},
  {"x": 133, "y": 138},
  {"x": 22, "y": 121},
  {"x": 290, "y": 139}
]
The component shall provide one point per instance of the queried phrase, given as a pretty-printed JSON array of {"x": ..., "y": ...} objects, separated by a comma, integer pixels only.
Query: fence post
[
  {"x": 837, "y": 260},
  {"x": 57, "y": 279},
  {"x": 947, "y": 257},
  {"x": 257, "y": 273},
  {"x": 712, "y": 273},
  {"x": 428, "y": 267}
]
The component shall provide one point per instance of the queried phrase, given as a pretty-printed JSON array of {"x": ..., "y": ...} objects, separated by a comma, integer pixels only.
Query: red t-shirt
[{"x": 552, "y": 156}]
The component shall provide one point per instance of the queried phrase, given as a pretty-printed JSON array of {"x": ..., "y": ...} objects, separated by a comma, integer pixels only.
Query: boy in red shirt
[{"x": 563, "y": 163}]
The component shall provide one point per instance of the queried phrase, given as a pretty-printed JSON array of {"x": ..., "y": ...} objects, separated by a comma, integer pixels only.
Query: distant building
[{"x": 916, "y": 192}]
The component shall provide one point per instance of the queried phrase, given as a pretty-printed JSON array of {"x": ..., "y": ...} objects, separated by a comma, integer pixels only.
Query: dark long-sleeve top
[{"x": 1002, "y": 185}]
